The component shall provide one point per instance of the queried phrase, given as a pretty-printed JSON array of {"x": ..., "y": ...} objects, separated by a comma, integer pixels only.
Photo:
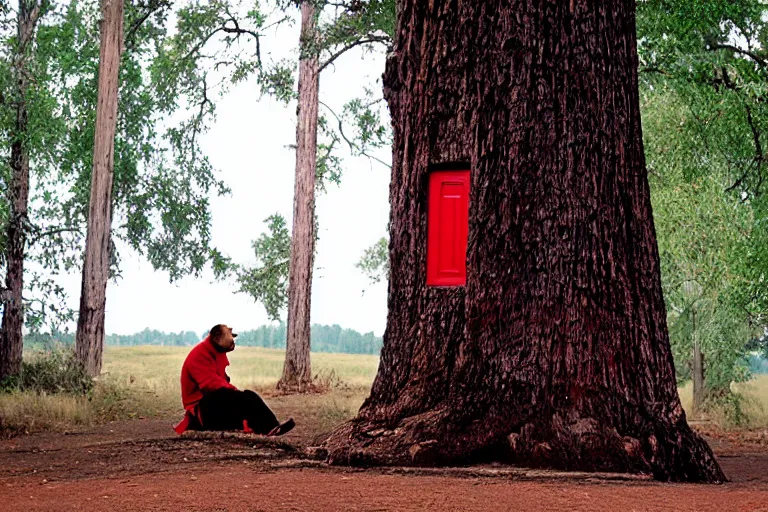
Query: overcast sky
[{"x": 248, "y": 144}]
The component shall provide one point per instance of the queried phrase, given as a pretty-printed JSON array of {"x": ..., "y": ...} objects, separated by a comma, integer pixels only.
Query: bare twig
[
  {"x": 39, "y": 234},
  {"x": 199, "y": 118},
  {"x": 351, "y": 144},
  {"x": 354, "y": 44}
]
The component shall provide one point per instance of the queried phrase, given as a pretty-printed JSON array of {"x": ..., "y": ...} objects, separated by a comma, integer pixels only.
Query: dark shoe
[{"x": 283, "y": 428}]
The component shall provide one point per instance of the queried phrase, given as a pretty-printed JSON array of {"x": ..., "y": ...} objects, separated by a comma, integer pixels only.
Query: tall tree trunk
[
  {"x": 89, "y": 340},
  {"x": 11, "y": 336},
  {"x": 556, "y": 352},
  {"x": 296, "y": 370},
  {"x": 697, "y": 370}
]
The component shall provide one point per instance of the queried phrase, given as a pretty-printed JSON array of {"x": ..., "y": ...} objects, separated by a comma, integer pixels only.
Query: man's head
[{"x": 222, "y": 337}]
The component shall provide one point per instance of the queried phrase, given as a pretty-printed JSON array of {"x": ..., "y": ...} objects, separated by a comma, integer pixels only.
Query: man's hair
[{"x": 217, "y": 332}]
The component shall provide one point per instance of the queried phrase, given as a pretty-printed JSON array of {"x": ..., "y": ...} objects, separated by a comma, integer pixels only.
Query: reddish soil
[{"x": 143, "y": 465}]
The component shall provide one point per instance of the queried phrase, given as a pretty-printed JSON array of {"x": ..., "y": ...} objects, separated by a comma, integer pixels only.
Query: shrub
[
  {"x": 730, "y": 408},
  {"x": 55, "y": 370}
]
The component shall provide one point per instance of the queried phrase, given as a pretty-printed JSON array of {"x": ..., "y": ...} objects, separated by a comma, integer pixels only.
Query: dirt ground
[{"x": 143, "y": 465}]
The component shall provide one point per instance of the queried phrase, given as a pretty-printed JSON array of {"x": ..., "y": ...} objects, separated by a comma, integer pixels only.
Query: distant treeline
[{"x": 325, "y": 338}]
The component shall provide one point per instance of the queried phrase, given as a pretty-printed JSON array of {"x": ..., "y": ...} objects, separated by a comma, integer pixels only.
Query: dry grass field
[{"x": 143, "y": 382}]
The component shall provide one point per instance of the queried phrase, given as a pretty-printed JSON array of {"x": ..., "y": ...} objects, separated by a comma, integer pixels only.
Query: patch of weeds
[
  {"x": 327, "y": 380},
  {"x": 55, "y": 370},
  {"x": 55, "y": 392},
  {"x": 109, "y": 400},
  {"x": 731, "y": 409},
  {"x": 334, "y": 413}
]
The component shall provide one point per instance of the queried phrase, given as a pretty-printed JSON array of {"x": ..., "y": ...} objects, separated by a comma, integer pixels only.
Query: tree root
[{"x": 667, "y": 452}]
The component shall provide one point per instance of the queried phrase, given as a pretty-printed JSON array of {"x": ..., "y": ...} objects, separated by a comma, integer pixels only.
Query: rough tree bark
[
  {"x": 297, "y": 375},
  {"x": 11, "y": 335},
  {"x": 89, "y": 340},
  {"x": 556, "y": 353}
]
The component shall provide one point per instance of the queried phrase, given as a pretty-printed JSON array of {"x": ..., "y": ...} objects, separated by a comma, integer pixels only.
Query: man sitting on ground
[{"x": 211, "y": 402}]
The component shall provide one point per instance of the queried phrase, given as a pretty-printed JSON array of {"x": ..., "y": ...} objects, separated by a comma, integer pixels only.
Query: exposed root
[
  {"x": 668, "y": 452},
  {"x": 253, "y": 440}
]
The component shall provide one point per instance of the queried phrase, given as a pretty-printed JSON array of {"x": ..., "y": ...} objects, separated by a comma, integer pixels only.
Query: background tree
[
  {"x": 296, "y": 369},
  {"x": 89, "y": 341},
  {"x": 703, "y": 80},
  {"x": 556, "y": 353},
  {"x": 348, "y": 30},
  {"x": 17, "y": 188},
  {"x": 705, "y": 238},
  {"x": 154, "y": 159},
  {"x": 145, "y": 185},
  {"x": 329, "y": 30}
]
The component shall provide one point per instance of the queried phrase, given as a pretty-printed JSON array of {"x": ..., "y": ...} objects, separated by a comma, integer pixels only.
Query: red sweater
[{"x": 204, "y": 371}]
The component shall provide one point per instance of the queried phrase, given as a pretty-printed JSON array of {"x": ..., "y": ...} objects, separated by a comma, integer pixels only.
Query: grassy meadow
[
  {"x": 143, "y": 382},
  {"x": 250, "y": 367}
]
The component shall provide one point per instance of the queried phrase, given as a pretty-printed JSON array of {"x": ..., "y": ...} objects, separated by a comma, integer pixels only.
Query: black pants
[{"x": 225, "y": 409}]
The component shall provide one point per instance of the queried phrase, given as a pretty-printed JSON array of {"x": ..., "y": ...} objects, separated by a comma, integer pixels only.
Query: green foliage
[
  {"x": 711, "y": 53},
  {"x": 277, "y": 80},
  {"x": 16, "y": 61},
  {"x": 734, "y": 407},
  {"x": 218, "y": 44},
  {"x": 153, "y": 337},
  {"x": 344, "y": 26},
  {"x": 358, "y": 23},
  {"x": 329, "y": 164},
  {"x": 375, "y": 261},
  {"x": 54, "y": 370},
  {"x": 267, "y": 282},
  {"x": 360, "y": 125},
  {"x": 162, "y": 180},
  {"x": 369, "y": 132},
  {"x": 704, "y": 74},
  {"x": 40, "y": 342},
  {"x": 706, "y": 237}
]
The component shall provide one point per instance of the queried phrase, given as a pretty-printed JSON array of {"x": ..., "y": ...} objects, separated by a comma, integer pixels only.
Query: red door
[{"x": 448, "y": 227}]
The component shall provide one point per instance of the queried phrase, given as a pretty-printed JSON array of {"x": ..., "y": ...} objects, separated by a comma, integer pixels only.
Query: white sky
[{"x": 248, "y": 144}]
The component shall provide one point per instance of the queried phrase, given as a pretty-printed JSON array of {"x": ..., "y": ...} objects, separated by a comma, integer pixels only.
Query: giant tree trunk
[
  {"x": 296, "y": 370},
  {"x": 89, "y": 340},
  {"x": 556, "y": 353},
  {"x": 11, "y": 335}
]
